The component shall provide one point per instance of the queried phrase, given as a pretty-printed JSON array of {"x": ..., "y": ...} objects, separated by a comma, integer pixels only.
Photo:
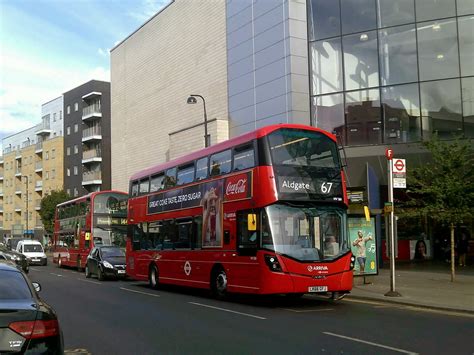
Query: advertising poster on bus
[
  {"x": 363, "y": 245},
  {"x": 212, "y": 218}
]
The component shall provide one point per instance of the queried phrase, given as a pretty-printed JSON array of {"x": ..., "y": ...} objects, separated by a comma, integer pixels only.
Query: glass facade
[{"x": 392, "y": 71}]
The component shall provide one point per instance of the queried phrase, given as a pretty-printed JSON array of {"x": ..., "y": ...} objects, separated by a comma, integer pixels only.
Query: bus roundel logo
[{"x": 187, "y": 268}]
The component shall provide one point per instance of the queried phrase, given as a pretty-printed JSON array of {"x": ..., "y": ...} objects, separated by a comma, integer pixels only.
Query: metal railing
[
  {"x": 39, "y": 183},
  {"x": 91, "y": 153},
  {"x": 92, "y": 131},
  {"x": 91, "y": 109},
  {"x": 91, "y": 175},
  {"x": 39, "y": 145},
  {"x": 38, "y": 165}
]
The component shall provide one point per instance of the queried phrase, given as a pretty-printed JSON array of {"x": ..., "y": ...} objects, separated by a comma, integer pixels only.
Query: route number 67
[{"x": 326, "y": 187}]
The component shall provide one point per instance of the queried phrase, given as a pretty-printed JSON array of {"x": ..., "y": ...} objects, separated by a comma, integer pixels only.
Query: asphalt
[{"x": 425, "y": 285}]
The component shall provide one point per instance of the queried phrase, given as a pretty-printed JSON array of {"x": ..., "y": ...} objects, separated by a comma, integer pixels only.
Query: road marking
[
  {"x": 363, "y": 301},
  {"x": 226, "y": 310},
  {"x": 308, "y": 310},
  {"x": 34, "y": 269},
  {"x": 59, "y": 275},
  {"x": 370, "y": 343},
  {"x": 143, "y": 293},
  {"x": 90, "y": 281}
]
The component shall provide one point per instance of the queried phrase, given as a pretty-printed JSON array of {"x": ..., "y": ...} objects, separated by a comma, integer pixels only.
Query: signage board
[
  {"x": 399, "y": 170},
  {"x": 363, "y": 245}
]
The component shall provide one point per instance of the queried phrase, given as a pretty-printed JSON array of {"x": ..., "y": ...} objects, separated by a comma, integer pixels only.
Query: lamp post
[
  {"x": 26, "y": 177},
  {"x": 192, "y": 100}
]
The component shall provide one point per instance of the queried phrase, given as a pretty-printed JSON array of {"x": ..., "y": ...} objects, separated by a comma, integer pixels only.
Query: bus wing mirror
[{"x": 252, "y": 222}]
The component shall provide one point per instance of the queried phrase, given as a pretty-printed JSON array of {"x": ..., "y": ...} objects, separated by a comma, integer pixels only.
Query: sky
[{"x": 48, "y": 47}]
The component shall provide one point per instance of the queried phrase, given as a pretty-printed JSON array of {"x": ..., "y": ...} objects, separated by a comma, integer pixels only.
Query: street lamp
[
  {"x": 26, "y": 177},
  {"x": 192, "y": 100}
]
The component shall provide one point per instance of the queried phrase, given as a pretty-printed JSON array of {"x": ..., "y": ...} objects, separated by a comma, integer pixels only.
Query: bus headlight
[
  {"x": 108, "y": 265},
  {"x": 352, "y": 262},
  {"x": 272, "y": 262}
]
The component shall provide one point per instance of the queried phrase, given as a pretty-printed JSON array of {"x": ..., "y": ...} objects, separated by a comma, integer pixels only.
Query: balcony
[
  {"x": 91, "y": 156},
  {"x": 44, "y": 129},
  {"x": 92, "y": 112},
  {"x": 39, "y": 223},
  {"x": 38, "y": 167},
  {"x": 1, "y": 207},
  {"x": 92, "y": 178},
  {"x": 18, "y": 208},
  {"x": 93, "y": 133},
  {"x": 18, "y": 155},
  {"x": 38, "y": 205},
  {"x": 39, "y": 185},
  {"x": 18, "y": 190},
  {"x": 1, "y": 193},
  {"x": 18, "y": 172},
  {"x": 39, "y": 147}
]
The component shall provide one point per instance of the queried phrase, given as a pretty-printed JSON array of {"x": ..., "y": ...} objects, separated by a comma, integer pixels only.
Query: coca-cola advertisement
[
  {"x": 238, "y": 187},
  {"x": 212, "y": 210}
]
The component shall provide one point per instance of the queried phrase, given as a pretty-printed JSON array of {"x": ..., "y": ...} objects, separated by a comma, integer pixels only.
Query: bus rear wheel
[
  {"x": 219, "y": 283},
  {"x": 153, "y": 277}
]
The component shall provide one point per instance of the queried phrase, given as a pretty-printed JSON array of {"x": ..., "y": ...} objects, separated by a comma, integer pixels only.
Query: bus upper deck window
[
  {"x": 201, "y": 169},
  {"x": 157, "y": 182},
  {"x": 186, "y": 174},
  {"x": 170, "y": 178},
  {"x": 221, "y": 163},
  {"x": 144, "y": 186},
  {"x": 244, "y": 157},
  {"x": 135, "y": 188}
]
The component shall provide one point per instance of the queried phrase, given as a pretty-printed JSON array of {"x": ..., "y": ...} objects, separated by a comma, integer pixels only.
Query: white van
[{"x": 33, "y": 250}]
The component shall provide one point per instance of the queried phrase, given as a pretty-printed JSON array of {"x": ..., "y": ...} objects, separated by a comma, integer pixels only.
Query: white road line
[
  {"x": 370, "y": 343},
  {"x": 143, "y": 293},
  {"x": 90, "y": 281},
  {"x": 226, "y": 310},
  {"x": 59, "y": 275},
  {"x": 34, "y": 269},
  {"x": 308, "y": 310}
]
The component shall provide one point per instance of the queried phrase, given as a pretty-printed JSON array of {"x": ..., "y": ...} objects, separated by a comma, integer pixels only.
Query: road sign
[
  {"x": 389, "y": 153},
  {"x": 399, "y": 173}
]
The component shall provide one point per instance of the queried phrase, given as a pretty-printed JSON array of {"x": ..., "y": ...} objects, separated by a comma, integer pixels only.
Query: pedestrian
[{"x": 463, "y": 246}]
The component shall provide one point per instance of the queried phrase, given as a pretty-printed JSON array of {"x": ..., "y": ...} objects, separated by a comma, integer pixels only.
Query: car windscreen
[
  {"x": 13, "y": 286},
  {"x": 112, "y": 252},
  {"x": 32, "y": 248}
]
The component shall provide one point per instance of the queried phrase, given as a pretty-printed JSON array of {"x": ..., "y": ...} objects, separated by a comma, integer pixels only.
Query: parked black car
[
  {"x": 27, "y": 324},
  {"x": 16, "y": 257},
  {"x": 106, "y": 261}
]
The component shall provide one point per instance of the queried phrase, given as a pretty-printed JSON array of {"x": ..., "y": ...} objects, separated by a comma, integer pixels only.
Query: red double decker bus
[
  {"x": 262, "y": 213},
  {"x": 97, "y": 218}
]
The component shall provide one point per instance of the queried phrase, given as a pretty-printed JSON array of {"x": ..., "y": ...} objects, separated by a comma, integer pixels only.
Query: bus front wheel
[
  {"x": 219, "y": 283},
  {"x": 153, "y": 277}
]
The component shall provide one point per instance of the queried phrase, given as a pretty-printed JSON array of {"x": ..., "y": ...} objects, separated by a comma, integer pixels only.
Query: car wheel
[
  {"x": 88, "y": 273},
  {"x": 153, "y": 277},
  {"x": 45, "y": 262},
  {"x": 219, "y": 283},
  {"x": 100, "y": 274}
]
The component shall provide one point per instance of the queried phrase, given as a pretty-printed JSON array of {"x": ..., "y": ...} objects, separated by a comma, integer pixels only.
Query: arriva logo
[{"x": 312, "y": 268}]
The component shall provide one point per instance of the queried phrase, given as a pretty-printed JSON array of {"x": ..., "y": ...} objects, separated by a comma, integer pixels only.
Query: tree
[
  {"x": 443, "y": 188},
  {"x": 48, "y": 206}
]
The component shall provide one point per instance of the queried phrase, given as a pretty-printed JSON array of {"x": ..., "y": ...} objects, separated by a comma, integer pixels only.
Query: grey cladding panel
[
  {"x": 241, "y": 84},
  {"x": 240, "y": 68},
  {"x": 270, "y": 19},
  {"x": 239, "y": 36},
  {"x": 267, "y": 38}
]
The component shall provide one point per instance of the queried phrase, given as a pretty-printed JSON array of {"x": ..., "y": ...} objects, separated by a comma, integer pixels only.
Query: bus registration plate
[{"x": 317, "y": 289}]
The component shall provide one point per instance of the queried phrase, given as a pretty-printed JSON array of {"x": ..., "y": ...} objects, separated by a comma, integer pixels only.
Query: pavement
[{"x": 422, "y": 285}]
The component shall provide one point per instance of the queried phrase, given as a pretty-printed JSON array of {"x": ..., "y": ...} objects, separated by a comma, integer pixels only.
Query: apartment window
[
  {"x": 47, "y": 155},
  {"x": 76, "y": 149},
  {"x": 68, "y": 109},
  {"x": 47, "y": 175},
  {"x": 68, "y": 172},
  {"x": 68, "y": 151},
  {"x": 60, "y": 114},
  {"x": 53, "y": 153},
  {"x": 68, "y": 130},
  {"x": 76, "y": 127},
  {"x": 75, "y": 170},
  {"x": 76, "y": 193},
  {"x": 68, "y": 191},
  {"x": 76, "y": 106},
  {"x": 53, "y": 174},
  {"x": 54, "y": 117}
]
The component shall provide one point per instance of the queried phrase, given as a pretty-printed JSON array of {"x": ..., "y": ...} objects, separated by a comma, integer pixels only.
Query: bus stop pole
[{"x": 392, "y": 292}]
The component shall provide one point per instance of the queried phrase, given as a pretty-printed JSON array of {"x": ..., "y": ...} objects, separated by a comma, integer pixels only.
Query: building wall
[
  {"x": 54, "y": 109},
  {"x": 74, "y": 129},
  {"x": 267, "y": 63},
  {"x": 178, "y": 52}
]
